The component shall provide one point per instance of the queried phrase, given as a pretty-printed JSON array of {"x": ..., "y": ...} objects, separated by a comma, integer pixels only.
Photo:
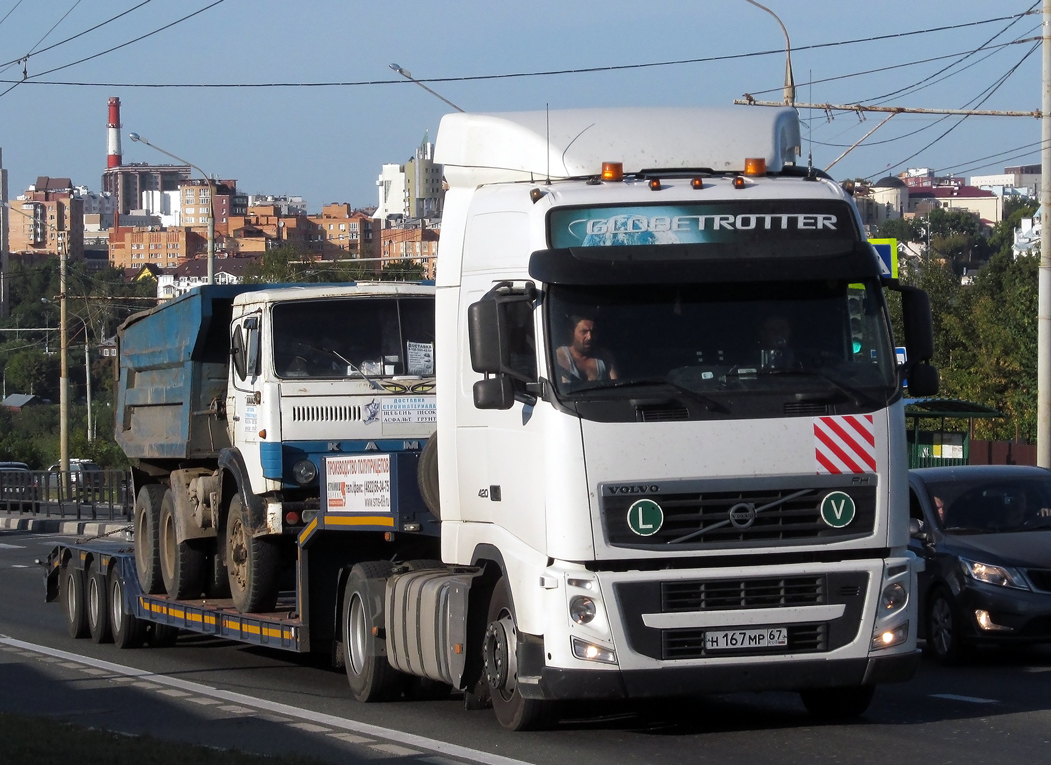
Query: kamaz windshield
[
  {"x": 722, "y": 344},
  {"x": 361, "y": 337}
]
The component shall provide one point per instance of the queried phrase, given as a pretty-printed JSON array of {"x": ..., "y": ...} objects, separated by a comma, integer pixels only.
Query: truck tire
[
  {"x": 427, "y": 476},
  {"x": 161, "y": 635},
  {"x": 147, "y": 545},
  {"x": 182, "y": 563},
  {"x": 499, "y": 662},
  {"x": 251, "y": 563},
  {"x": 371, "y": 677},
  {"x": 71, "y": 592},
  {"x": 128, "y": 629},
  {"x": 96, "y": 606},
  {"x": 216, "y": 578},
  {"x": 838, "y": 703}
]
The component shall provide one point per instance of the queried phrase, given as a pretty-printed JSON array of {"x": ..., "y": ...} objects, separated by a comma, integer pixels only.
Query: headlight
[
  {"x": 893, "y": 599},
  {"x": 304, "y": 472},
  {"x": 1002, "y": 576},
  {"x": 592, "y": 652},
  {"x": 582, "y": 609},
  {"x": 888, "y": 638}
]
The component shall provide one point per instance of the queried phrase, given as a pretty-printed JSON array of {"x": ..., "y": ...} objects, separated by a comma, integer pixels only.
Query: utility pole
[
  {"x": 63, "y": 383},
  {"x": 1043, "y": 317}
]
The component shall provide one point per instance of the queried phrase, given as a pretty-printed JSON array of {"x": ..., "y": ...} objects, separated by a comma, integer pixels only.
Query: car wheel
[{"x": 944, "y": 627}]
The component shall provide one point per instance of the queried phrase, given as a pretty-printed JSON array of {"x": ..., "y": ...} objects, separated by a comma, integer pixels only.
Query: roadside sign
[{"x": 888, "y": 254}]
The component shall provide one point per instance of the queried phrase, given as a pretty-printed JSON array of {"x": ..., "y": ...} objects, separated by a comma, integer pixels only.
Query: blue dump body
[{"x": 173, "y": 370}]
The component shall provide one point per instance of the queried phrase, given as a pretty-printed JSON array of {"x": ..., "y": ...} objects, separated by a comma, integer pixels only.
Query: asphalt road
[{"x": 226, "y": 695}]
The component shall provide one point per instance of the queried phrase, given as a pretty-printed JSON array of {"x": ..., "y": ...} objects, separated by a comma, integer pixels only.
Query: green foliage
[
  {"x": 290, "y": 263},
  {"x": 402, "y": 271},
  {"x": 902, "y": 229}
]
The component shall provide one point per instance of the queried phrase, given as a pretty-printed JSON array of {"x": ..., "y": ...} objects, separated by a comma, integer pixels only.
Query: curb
[{"x": 59, "y": 526}]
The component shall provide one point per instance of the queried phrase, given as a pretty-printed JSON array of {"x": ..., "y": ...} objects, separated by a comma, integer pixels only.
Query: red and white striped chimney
[{"x": 113, "y": 153}]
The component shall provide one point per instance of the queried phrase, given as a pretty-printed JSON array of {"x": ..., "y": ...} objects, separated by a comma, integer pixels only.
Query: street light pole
[
  {"x": 211, "y": 201},
  {"x": 408, "y": 76}
]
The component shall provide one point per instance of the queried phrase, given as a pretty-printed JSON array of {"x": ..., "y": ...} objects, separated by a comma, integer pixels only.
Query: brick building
[
  {"x": 47, "y": 220},
  {"x": 409, "y": 245}
]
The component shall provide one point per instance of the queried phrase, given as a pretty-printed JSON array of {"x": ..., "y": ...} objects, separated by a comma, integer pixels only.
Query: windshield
[
  {"x": 992, "y": 506},
  {"x": 721, "y": 341},
  {"x": 369, "y": 337}
]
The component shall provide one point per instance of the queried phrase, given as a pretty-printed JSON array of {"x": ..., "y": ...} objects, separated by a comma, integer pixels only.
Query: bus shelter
[{"x": 940, "y": 447}]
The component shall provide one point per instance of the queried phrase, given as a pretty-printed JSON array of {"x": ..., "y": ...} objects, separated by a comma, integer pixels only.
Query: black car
[{"x": 985, "y": 533}]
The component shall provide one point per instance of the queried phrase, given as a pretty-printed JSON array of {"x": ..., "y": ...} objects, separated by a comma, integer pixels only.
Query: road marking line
[
  {"x": 19, "y": 565},
  {"x": 310, "y": 727},
  {"x": 203, "y": 701},
  {"x": 147, "y": 686},
  {"x": 173, "y": 692},
  {"x": 350, "y": 738},
  {"x": 1036, "y": 669},
  {"x": 274, "y": 718},
  {"x": 390, "y": 734},
  {"x": 5, "y": 546},
  {"x": 69, "y": 664},
  {"x": 397, "y": 751},
  {"x": 441, "y": 761},
  {"x": 93, "y": 671},
  {"x": 968, "y": 699}
]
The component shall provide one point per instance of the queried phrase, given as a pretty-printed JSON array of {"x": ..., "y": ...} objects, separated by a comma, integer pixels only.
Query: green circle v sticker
[
  {"x": 838, "y": 509},
  {"x": 645, "y": 517}
]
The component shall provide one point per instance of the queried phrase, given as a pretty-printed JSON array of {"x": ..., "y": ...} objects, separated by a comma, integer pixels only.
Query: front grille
[
  {"x": 701, "y": 520},
  {"x": 742, "y": 593},
  {"x": 804, "y": 409},
  {"x": 1040, "y": 577},
  {"x": 690, "y": 644},
  {"x": 326, "y": 413},
  {"x": 768, "y": 595}
]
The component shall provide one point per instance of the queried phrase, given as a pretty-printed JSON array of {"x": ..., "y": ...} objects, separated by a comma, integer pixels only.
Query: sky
[{"x": 327, "y": 143}]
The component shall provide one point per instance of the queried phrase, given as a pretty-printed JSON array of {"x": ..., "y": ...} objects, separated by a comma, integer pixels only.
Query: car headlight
[
  {"x": 304, "y": 472},
  {"x": 1002, "y": 576}
]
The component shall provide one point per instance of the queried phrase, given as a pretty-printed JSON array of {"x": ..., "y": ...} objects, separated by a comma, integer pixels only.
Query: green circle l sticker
[
  {"x": 645, "y": 517},
  {"x": 838, "y": 509}
]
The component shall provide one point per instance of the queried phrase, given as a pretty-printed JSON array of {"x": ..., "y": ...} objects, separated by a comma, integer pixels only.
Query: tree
[
  {"x": 291, "y": 263},
  {"x": 902, "y": 229},
  {"x": 403, "y": 271}
]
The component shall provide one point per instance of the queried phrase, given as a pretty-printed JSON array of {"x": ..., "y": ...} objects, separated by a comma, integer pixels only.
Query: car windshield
[
  {"x": 722, "y": 341},
  {"x": 991, "y": 506},
  {"x": 370, "y": 337}
]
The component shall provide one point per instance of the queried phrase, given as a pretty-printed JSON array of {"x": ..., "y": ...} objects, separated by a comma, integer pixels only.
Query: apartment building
[{"x": 48, "y": 219}]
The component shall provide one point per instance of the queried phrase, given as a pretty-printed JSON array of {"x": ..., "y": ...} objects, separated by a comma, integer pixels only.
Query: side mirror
[
  {"x": 494, "y": 393},
  {"x": 252, "y": 345},
  {"x": 924, "y": 380},
  {"x": 237, "y": 353},
  {"x": 919, "y": 327},
  {"x": 483, "y": 331},
  {"x": 918, "y": 530}
]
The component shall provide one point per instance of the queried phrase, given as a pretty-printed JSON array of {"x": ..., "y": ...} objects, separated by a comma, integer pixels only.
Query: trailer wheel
[
  {"x": 147, "y": 545},
  {"x": 71, "y": 588},
  {"x": 161, "y": 635},
  {"x": 500, "y": 668},
  {"x": 128, "y": 629},
  {"x": 182, "y": 563},
  {"x": 371, "y": 677},
  {"x": 97, "y": 608},
  {"x": 427, "y": 476},
  {"x": 251, "y": 563},
  {"x": 838, "y": 703}
]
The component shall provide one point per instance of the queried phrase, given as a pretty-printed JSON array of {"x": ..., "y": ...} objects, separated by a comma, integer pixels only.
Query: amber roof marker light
[
  {"x": 613, "y": 171},
  {"x": 755, "y": 166}
]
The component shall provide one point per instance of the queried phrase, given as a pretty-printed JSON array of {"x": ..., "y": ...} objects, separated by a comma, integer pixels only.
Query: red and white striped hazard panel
[{"x": 845, "y": 444}]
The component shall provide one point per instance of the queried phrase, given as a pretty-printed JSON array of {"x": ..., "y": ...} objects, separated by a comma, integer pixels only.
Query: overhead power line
[{"x": 505, "y": 76}]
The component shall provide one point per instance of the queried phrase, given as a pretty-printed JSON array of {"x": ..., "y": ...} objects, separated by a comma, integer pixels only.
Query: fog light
[
  {"x": 894, "y": 598},
  {"x": 304, "y": 472},
  {"x": 582, "y": 609},
  {"x": 591, "y": 652},
  {"x": 890, "y": 637},
  {"x": 985, "y": 621}
]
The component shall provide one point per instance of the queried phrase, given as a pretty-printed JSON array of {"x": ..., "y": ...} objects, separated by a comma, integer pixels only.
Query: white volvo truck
[{"x": 671, "y": 441}]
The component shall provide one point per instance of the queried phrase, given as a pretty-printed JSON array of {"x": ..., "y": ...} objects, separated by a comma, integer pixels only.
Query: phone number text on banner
[{"x": 358, "y": 484}]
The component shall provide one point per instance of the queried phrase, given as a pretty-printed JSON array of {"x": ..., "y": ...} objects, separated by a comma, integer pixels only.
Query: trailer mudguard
[{"x": 230, "y": 460}]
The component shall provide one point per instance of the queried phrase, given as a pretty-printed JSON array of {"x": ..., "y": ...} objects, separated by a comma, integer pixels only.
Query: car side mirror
[{"x": 918, "y": 530}]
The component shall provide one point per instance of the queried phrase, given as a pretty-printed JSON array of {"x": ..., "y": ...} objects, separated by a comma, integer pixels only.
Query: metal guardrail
[{"x": 94, "y": 495}]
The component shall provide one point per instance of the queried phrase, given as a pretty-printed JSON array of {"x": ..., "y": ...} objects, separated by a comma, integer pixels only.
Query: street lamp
[
  {"x": 408, "y": 76},
  {"x": 211, "y": 201},
  {"x": 790, "y": 85}
]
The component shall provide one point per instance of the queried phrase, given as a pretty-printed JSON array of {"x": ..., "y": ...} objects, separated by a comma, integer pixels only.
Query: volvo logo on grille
[
  {"x": 639, "y": 488},
  {"x": 742, "y": 515}
]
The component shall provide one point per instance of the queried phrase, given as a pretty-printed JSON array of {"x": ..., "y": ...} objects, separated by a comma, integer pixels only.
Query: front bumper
[
  {"x": 1027, "y": 614},
  {"x": 565, "y": 684}
]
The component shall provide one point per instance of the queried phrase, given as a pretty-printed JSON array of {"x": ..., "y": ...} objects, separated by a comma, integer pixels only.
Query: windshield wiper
[
  {"x": 709, "y": 404},
  {"x": 353, "y": 367}
]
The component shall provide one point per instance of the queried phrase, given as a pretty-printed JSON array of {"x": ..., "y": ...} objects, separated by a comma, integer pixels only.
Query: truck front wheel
[
  {"x": 182, "y": 563},
  {"x": 371, "y": 677},
  {"x": 147, "y": 546},
  {"x": 251, "y": 563},
  {"x": 500, "y": 666}
]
